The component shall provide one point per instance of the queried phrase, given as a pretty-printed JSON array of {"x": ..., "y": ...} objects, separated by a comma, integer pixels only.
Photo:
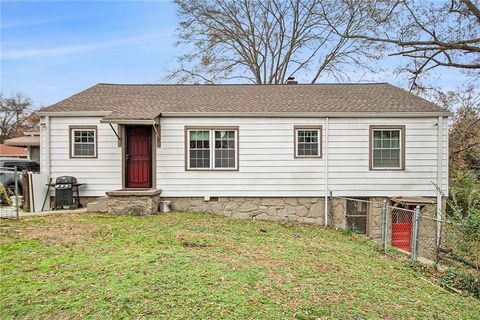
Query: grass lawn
[{"x": 186, "y": 265}]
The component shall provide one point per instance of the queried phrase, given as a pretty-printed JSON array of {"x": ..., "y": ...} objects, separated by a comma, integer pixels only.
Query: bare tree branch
[
  {"x": 13, "y": 115},
  {"x": 270, "y": 40},
  {"x": 428, "y": 34},
  {"x": 473, "y": 8}
]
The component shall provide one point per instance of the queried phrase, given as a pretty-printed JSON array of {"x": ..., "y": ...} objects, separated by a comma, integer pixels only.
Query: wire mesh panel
[
  {"x": 401, "y": 229},
  {"x": 410, "y": 227},
  {"x": 10, "y": 196},
  {"x": 429, "y": 229}
]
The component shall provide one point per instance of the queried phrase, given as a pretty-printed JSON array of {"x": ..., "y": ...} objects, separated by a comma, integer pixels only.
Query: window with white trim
[
  {"x": 83, "y": 143},
  {"x": 202, "y": 154},
  {"x": 199, "y": 149},
  {"x": 308, "y": 142},
  {"x": 387, "y": 148}
]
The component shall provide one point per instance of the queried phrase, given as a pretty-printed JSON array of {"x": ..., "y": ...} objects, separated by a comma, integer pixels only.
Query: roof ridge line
[{"x": 237, "y": 84}]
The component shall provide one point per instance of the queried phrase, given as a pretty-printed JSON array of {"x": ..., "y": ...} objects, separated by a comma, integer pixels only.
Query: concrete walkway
[{"x": 10, "y": 212}]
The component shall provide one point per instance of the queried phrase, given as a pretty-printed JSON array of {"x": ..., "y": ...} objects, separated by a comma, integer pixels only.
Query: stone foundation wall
[
  {"x": 338, "y": 213},
  {"x": 133, "y": 202},
  {"x": 298, "y": 209},
  {"x": 374, "y": 219}
]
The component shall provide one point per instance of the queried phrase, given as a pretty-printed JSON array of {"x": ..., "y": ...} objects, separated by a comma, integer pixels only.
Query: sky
[{"x": 50, "y": 50}]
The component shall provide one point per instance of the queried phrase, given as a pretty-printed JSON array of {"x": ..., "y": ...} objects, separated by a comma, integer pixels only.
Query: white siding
[
  {"x": 267, "y": 166},
  {"x": 101, "y": 174},
  {"x": 349, "y": 172}
]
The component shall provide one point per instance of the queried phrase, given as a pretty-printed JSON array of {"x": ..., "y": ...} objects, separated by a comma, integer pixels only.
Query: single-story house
[
  {"x": 30, "y": 143},
  {"x": 278, "y": 152}
]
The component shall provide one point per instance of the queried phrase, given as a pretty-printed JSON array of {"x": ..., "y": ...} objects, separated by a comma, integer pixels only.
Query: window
[
  {"x": 357, "y": 216},
  {"x": 212, "y": 149},
  {"x": 199, "y": 149},
  {"x": 225, "y": 149},
  {"x": 308, "y": 142},
  {"x": 83, "y": 142},
  {"x": 387, "y": 147}
]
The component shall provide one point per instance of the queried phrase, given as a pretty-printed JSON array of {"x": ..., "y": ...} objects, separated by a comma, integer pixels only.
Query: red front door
[
  {"x": 402, "y": 229},
  {"x": 138, "y": 158}
]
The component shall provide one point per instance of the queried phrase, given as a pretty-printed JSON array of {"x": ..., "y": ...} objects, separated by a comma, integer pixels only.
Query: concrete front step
[{"x": 133, "y": 202}]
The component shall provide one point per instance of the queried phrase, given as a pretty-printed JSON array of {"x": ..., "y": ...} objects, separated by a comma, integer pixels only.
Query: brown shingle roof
[{"x": 145, "y": 101}]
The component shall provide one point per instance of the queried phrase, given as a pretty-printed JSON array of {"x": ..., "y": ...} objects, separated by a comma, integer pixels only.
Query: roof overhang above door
[{"x": 150, "y": 122}]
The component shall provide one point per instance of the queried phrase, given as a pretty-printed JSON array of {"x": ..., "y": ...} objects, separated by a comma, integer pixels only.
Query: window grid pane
[
  {"x": 199, "y": 144},
  {"x": 308, "y": 142},
  {"x": 84, "y": 143},
  {"x": 225, "y": 149},
  {"x": 386, "y": 148}
]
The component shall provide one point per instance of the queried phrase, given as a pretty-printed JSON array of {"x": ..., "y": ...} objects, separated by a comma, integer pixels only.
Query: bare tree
[
  {"x": 269, "y": 41},
  {"x": 14, "y": 117},
  {"x": 464, "y": 138},
  {"x": 429, "y": 34}
]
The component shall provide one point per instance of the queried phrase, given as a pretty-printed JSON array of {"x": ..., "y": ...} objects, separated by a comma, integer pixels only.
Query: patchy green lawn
[{"x": 203, "y": 266}]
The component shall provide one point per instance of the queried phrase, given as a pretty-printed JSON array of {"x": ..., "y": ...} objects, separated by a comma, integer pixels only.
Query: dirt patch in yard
[
  {"x": 198, "y": 239},
  {"x": 65, "y": 233},
  {"x": 194, "y": 245}
]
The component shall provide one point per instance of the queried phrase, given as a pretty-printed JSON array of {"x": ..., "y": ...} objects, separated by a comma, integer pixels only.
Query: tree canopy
[{"x": 269, "y": 41}]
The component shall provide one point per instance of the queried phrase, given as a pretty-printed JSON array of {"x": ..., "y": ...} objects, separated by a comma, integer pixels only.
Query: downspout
[
  {"x": 47, "y": 146},
  {"x": 439, "y": 175},
  {"x": 326, "y": 172}
]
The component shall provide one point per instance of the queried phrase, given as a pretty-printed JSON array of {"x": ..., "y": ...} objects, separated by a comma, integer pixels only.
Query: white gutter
[
  {"x": 129, "y": 121},
  {"x": 73, "y": 113},
  {"x": 308, "y": 114},
  {"x": 439, "y": 174},
  {"x": 253, "y": 114},
  {"x": 326, "y": 172}
]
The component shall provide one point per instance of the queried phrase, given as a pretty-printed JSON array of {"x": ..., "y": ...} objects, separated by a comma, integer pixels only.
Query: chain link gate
[
  {"x": 10, "y": 197},
  {"x": 400, "y": 228}
]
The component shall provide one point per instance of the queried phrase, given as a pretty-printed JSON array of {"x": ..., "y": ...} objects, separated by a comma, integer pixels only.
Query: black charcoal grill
[{"x": 66, "y": 193}]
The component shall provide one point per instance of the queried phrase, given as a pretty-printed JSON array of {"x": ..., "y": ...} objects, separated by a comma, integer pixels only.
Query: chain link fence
[
  {"x": 410, "y": 228},
  {"x": 10, "y": 193},
  {"x": 399, "y": 227},
  {"x": 450, "y": 244}
]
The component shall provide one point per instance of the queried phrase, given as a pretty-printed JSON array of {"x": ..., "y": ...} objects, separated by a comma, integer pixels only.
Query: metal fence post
[
  {"x": 384, "y": 225},
  {"x": 416, "y": 215},
  {"x": 16, "y": 192}
]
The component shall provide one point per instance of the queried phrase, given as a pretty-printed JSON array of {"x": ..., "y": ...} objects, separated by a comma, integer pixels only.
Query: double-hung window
[
  {"x": 211, "y": 149},
  {"x": 83, "y": 142},
  {"x": 308, "y": 142},
  {"x": 387, "y": 147}
]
